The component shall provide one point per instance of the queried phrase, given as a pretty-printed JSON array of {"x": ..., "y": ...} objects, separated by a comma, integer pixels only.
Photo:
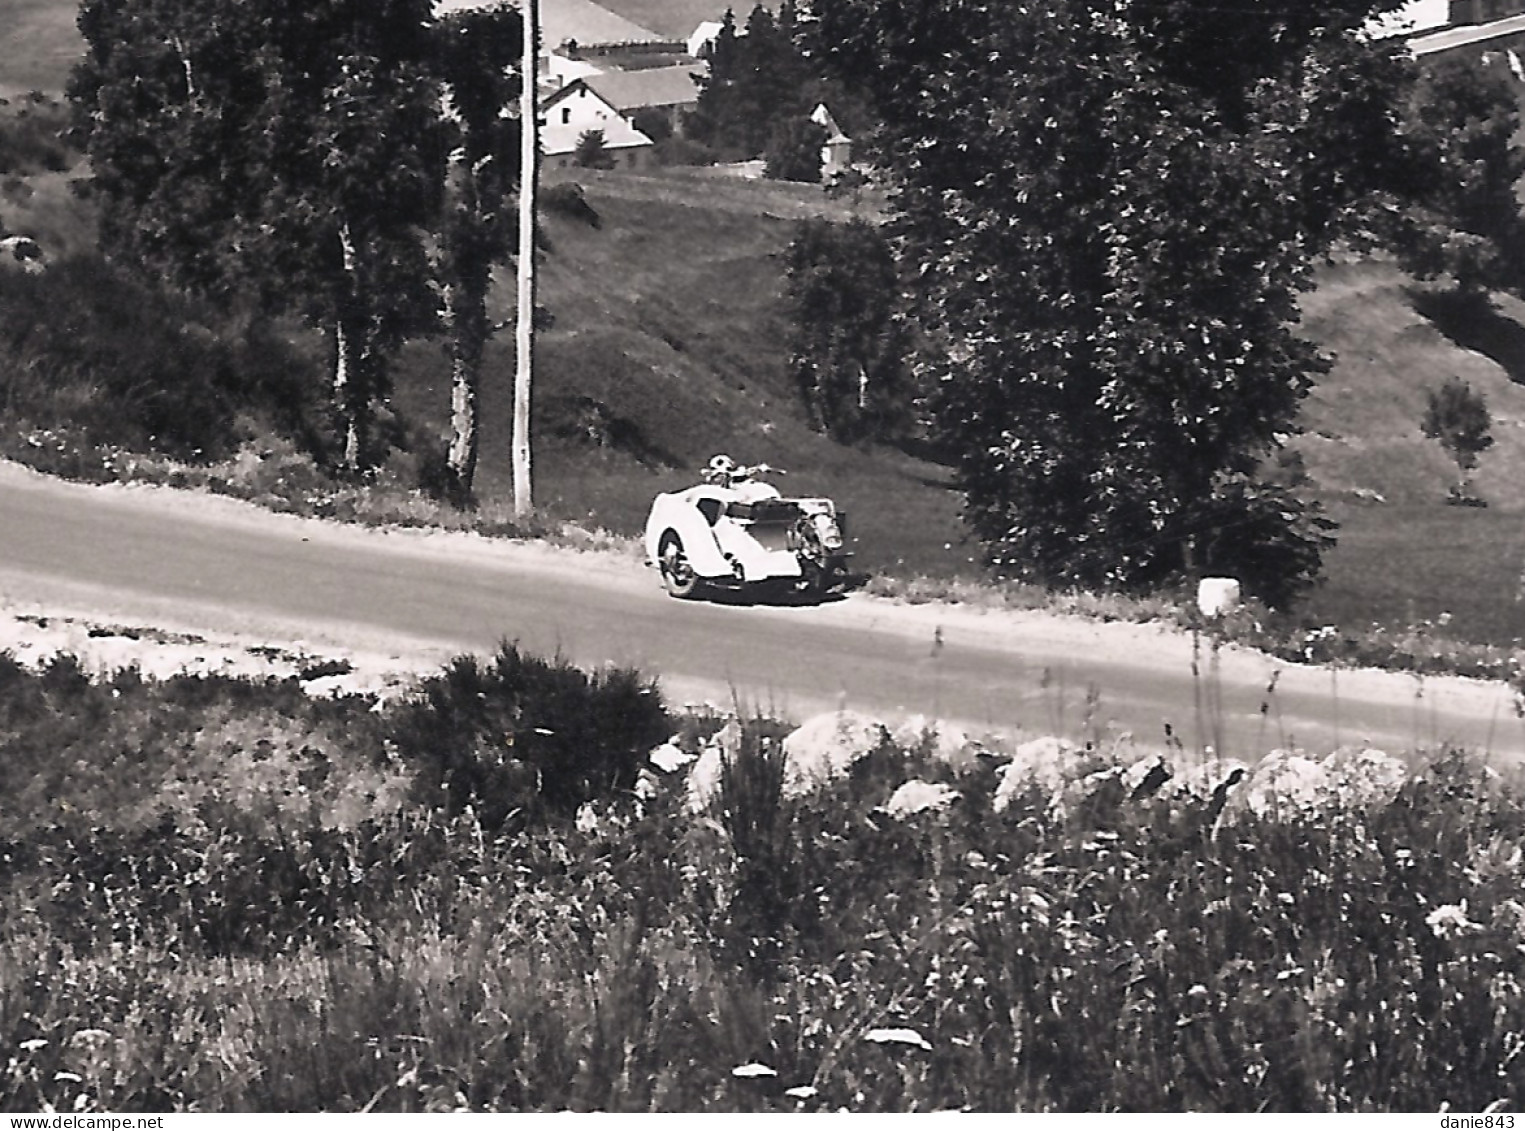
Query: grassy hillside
[
  {"x": 1404, "y": 556},
  {"x": 38, "y": 45}
]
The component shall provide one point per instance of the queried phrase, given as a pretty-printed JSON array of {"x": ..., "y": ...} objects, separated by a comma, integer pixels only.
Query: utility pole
[{"x": 529, "y": 131}]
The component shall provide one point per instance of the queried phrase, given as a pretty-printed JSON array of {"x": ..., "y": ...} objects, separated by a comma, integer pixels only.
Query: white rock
[
  {"x": 826, "y": 747},
  {"x": 944, "y": 741},
  {"x": 918, "y": 796},
  {"x": 1364, "y": 776},
  {"x": 1286, "y": 779},
  {"x": 1048, "y": 763},
  {"x": 1217, "y": 595},
  {"x": 704, "y": 776}
]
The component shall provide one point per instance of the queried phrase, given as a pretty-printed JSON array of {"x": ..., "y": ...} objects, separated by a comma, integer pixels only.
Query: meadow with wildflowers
[{"x": 506, "y": 892}]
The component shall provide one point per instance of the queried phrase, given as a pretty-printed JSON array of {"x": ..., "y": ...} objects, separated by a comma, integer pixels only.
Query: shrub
[
  {"x": 1458, "y": 417},
  {"x": 527, "y": 734},
  {"x": 592, "y": 151},
  {"x": 86, "y": 348},
  {"x": 794, "y": 151}
]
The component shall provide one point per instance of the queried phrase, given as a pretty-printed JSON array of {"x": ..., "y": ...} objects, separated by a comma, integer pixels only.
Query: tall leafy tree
[
  {"x": 288, "y": 148},
  {"x": 479, "y": 52},
  {"x": 849, "y": 351},
  {"x": 1467, "y": 117},
  {"x": 1108, "y": 211}
]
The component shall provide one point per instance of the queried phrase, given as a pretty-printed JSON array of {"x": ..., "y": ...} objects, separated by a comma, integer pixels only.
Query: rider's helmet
[{"x": 720, "y": 470}]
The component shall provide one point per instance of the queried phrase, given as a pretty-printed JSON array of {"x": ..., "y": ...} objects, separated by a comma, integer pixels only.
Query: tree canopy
[
  {"x": 1108, "y": 211},
  {"x": 290, "y": 149}
]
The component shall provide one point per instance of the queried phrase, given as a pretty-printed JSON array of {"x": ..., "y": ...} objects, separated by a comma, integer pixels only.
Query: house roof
[
  {"x": 588, "y": 23},
  {"x": 558, "y": 138},
  {"x": 659, "y": 86},
  {"x": 676, "y": 19},
  {"x": 1465, "y": 35},
  {"x": 1414, "y": 18},
  {"x": 822, "y": 117}
]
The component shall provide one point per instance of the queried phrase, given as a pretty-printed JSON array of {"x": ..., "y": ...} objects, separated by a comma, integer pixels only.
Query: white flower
[
  {"x": 752, "y": 1071},
  {"x": 897, "y": 1037},
  {"x": 803, "y": 1092},
  {"x": 1450, "y": 920}
]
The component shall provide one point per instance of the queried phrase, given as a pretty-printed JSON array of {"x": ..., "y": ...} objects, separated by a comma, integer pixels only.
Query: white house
[
  {"x": 670, "y": 91},
  {"x": 577, "y": 109},
  {"x": 702, "y": 37}
]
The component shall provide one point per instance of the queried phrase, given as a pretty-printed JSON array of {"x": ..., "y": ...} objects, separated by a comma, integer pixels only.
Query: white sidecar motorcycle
[{"x": 733, "y": 531}]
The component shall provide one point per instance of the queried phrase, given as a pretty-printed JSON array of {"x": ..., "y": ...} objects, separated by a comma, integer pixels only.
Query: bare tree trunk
[
  {"x": 351, "y": 355},
  {"x": 525, "y": 334},
  {"x": 466, "y": 306}
]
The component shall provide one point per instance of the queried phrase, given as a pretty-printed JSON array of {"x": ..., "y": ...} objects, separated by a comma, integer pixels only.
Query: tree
[
  {"x": 1466, "y": 117},
  {"x": 479, "y": 53},
  {"x": 1458, "y": 417},
  {"x": 592, "y": 152},
  {"x": 758, "y": 78},
  {"x": 289, "y": 149},
  {"x": 849, "y": 352},
  {"x": 794, "y": 151},
  {"x": 1107, "y": 257}
]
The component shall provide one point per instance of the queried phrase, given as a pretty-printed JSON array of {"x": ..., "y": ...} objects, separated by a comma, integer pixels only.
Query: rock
[
  {"x": 704, "y": 776},
  {"x": 826, "y": 747},
  {"x": 1283, "y": 780},
  {"x": 946, "y": 742},
  {"x": 917, "y": 796},
  {"x": 1217, "y": 595},
  {"x": 1146, "y": 777},
  {"x": 1047, "y": 763},
  {"x": 1203, "y": 780},
  {"x": 1364, "y": 776}
]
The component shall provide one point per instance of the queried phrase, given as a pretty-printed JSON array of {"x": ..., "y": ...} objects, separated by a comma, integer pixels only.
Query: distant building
[
  {"x": 1484, "y": 11},
  {"x": 1476, "y": 41},
  {"x": 703, "y": 35},
  {"x": 670, "y": 91},
  {"x": 576, "y": 109},
  {"x": 837, "y": 153},
  {"x": 1415, "y": 18}
]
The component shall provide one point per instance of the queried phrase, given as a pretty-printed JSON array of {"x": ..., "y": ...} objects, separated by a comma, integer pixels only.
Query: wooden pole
[{"x": 525, "y": 334}]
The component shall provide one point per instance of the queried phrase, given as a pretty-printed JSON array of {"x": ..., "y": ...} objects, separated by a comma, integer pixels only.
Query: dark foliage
[
  {"x": 592, "y": 152},
  {"x": 568, "y": 200},
  {"x": 525, "y": 734},
  {"x": 34, "y": 136},
  {"x": 794, "y": 151},
  {"x": 849, "y": 350},
  {"x": 1108, "y": 255},
  {"x": 1464, "y": 118},
  {"x": 93, "y": 351}
]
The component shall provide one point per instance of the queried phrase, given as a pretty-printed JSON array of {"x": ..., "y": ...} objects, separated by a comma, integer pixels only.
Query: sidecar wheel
[{"x": 678, "y": 575}]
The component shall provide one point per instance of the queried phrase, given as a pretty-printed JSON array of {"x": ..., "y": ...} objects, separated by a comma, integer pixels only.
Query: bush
[
  {"x": 794, "y": 151},
  {"x": 88, "y": 349},
  {"x": 525, "y": 734}
]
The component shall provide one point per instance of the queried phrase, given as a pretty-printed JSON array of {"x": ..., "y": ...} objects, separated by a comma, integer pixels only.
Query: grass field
[{"x": 38, "y": 45}]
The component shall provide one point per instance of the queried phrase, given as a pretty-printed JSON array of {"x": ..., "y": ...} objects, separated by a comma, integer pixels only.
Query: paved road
[{"x": 216, "y": 565}]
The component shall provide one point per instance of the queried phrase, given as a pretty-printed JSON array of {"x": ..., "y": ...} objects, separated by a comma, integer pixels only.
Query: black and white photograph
[{"x": 804, "y": 557}]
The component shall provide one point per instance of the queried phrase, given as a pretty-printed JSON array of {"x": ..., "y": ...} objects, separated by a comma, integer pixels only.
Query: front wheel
[{"x": 678, "y": 576}]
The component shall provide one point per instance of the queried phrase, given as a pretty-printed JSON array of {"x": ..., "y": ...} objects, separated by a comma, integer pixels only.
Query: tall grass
[{"x": 215, "y": 895}]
